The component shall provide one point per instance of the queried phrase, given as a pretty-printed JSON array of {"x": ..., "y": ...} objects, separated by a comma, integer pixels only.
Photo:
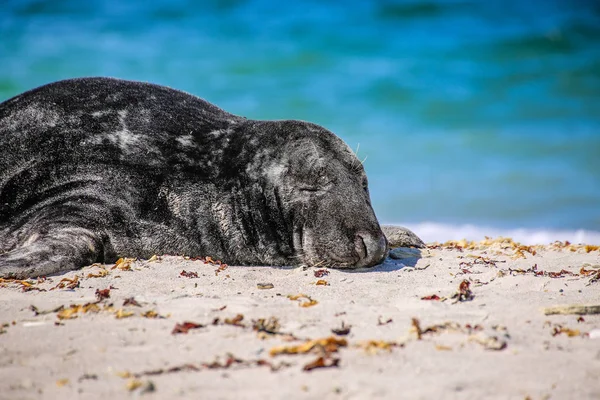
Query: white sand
[{"x": 86, "y": 357}]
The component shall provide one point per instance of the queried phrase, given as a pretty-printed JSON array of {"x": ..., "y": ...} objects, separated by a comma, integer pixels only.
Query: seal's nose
[{"x": 372, "y": 249}]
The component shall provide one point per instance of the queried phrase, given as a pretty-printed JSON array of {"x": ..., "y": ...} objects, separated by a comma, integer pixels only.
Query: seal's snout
[{"x": 372, "y": 249}]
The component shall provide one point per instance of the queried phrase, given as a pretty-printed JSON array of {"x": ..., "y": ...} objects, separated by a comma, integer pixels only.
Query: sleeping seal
[{"x": 93, "y": 169}]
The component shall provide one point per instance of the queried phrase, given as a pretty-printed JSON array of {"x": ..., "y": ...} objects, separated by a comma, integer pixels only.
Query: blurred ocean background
[{"x": 475, "y": 117}]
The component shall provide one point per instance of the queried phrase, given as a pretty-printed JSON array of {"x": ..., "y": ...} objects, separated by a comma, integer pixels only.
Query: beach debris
[
  {"x": 121, "y": 313},
  {"x": 130, "y": 301},
  {"x": 479, "y": 260},
  {"x": 133, "y": 384},
  {"x": 321, "y": 273},
  {"x": 381, "y": 322},
  {"x": 86, "y": 377},
  {"x": 559, "y": 329},
  {"x": 100, "y": 274},
  {"x": 154, "y": 258},
  {"x": 474, "y": 332},
  {"x": 145, "y": 387},
  {"x": 151, "y": 314},
  {"x": 325, "y": 346},
  {"x": 270, "y": 326},
  {"x": 123, "y": 264},
  {"x": 375, "y": 346},
  {"x": 322, "y": 282},
  {"x": 26, "y": 284},
  {"x": 463, "y": 293},
  {"x": 102, "y": 294},
  {"x": 67, "y": 283},
  {"x": 188, "y": 274},
  {"x": 343, "y": 330},
  {"x": 235, "y": 321},
  {"x": 577, "y": 309},
  {"x": 62, "y": 382},
  {"x": 463, "y": 271},
  {"x": 265, "y": 286},
  {"x": 322, "y": 362},
  {"x": 74, "y": 309},
  {"x": 594, "y": 274},
  {"x": 434, "y": 297},
  {"x": 185, "y": 326},
  {"x": 37, "y": 312},
  {"x": 500, "y": 243},
  {"x": 489, "y": 342},
  {"x": 566, "y": 245},
  {"x": 308, "y": 303},
  {"x": 221, "y": 266},
  {"x": 229, "y": 362},
  {"x": 416, "y": 328}
]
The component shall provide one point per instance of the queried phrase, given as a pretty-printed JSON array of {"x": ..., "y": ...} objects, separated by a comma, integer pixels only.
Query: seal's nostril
[
  {"x": 361, "y": 247},
  {"x": 371, "y": 249}
]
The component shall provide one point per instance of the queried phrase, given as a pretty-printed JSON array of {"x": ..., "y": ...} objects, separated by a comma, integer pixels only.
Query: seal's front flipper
[
  {"x": 399, "y": 236},
  {"x": 58, "y": 250}
]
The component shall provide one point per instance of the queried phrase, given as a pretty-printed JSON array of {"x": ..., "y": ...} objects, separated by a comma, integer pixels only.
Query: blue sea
[{"x": 475, "y": 117}]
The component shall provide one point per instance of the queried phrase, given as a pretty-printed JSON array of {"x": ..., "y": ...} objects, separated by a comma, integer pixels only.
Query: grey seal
[{"x": 92, "y": 169}]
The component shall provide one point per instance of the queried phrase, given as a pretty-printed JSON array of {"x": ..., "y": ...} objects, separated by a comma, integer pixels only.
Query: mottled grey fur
[{"x": 93, "y": 169}]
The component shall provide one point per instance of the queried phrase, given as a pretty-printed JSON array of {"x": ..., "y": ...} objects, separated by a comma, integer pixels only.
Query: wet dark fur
[{"x": 93, "y": 169}]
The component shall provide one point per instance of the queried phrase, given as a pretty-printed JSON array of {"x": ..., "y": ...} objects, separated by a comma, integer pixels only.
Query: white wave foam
[{"x": 435, "y": 232}]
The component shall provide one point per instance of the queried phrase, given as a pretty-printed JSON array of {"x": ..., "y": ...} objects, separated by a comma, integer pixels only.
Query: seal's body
[{"x": 94, "y": 169}]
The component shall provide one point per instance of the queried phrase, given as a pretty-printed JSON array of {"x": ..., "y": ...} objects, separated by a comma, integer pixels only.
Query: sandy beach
[{"x": 460, "y": 320}]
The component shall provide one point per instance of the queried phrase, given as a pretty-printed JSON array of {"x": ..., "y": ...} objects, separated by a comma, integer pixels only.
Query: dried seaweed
[
  {"x": 343, "y": 330},
  {"x": 270, "y": 325},
  {"x": 265, "y": 286},
  {"x": 321, "y": 362},
  {"x": 102, "y": 294},
  {"x": 74, "y": 309},
  {"x": 577, "y": 309},
  {"x": 37, "y": 312},
  {"x": 464, "y": 292},
  {"x": 66, "y": 283},
  {"x": 124, "y": 264},
  {"x": 100, "y": 274},
  {"x": 188, "y": 274},
  {"x": 235, "y": 321},
  {"x": 185, "y": 326},
  {"x": 308, "y": 303},
  {"x": 321, "y": 273},
  {"x": 558, "y": 329},
  {"x": 375, "y": 346},
  {"x": 326, "y": 345},
  {"x": 130, "y": 301},
  {"x": 433, "y": 297}
]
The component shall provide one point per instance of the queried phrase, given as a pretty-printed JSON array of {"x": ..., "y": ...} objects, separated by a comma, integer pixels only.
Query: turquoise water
[{"x": 475, "y": 117}]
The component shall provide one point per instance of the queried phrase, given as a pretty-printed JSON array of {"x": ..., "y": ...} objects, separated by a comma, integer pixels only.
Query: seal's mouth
[{"x": 367, "y": 250}]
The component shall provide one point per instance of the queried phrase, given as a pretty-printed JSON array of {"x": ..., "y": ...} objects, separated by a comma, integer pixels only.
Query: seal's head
[{"x": 319, "y": 189}]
